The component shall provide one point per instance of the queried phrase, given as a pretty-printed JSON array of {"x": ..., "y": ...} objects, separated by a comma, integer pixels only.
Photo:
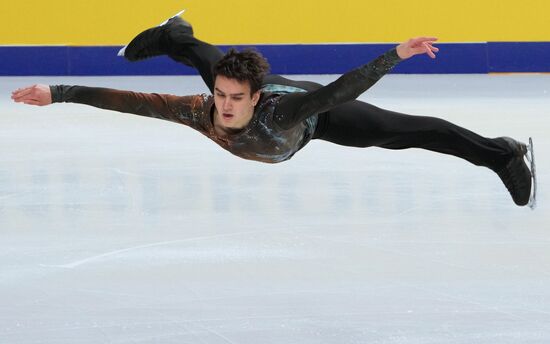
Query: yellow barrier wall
[{"x": 114, "y": 22}]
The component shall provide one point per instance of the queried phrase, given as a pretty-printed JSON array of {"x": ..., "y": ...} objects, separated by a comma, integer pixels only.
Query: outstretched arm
[
  {"x": 163, "y": 106},
  {"x": 296, "y": 107}
]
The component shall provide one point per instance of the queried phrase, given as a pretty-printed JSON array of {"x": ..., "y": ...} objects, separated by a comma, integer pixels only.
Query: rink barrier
[{"x": 454, "y": 58}]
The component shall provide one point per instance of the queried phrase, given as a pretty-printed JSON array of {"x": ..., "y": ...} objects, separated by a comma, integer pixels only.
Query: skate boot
[
  {"x": 516, "y": 175},
  {"x": 157, "y": 40}
]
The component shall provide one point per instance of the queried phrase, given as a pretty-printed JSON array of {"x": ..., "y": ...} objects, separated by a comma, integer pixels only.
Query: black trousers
[{"x": 360, "y": 124}]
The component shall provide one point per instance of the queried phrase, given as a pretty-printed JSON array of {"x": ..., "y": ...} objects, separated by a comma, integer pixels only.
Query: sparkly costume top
[{"x": 282, "y": 122}]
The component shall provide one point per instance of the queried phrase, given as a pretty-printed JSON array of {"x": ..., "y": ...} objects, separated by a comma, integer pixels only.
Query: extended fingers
[
  {"x": 428, "y": 49},
  {"x": 32, "y": 102},
  {"x": 419, "y": 40},
  {"x": 21, "y": 92},
  {"x": 426, "y": 45},
  {"x": 27, "y": 100},
  {"x": 24, "y": 93}
]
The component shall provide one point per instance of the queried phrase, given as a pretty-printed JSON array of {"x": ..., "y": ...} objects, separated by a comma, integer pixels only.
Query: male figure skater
[{"x": 269, "y": 118}]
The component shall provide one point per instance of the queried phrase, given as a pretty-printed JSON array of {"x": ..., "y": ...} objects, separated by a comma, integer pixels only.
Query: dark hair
[{"x": 247, "y": 65}]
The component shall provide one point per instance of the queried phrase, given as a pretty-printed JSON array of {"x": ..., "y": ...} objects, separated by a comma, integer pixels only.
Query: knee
[{"x": 439, "y": 128}]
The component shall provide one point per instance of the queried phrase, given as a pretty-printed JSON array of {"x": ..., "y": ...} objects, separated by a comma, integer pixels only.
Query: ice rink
[{"x": 120, "y": 229}]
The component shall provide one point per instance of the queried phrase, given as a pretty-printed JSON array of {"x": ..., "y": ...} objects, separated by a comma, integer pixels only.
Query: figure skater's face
[{"x": 234, "y": 102}]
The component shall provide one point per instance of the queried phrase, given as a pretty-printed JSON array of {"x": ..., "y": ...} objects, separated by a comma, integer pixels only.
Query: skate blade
[
  {"x": 123, "y": 50},
  {"x": 530, "y": 155},
  {"x": 177, "y": 15}
]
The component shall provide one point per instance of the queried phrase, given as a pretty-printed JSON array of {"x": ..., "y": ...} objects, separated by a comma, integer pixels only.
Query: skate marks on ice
[{"x": 102, "y": 256}]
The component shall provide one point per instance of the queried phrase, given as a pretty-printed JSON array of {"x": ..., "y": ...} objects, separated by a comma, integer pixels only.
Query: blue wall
[{"x": 285, "y": 59}]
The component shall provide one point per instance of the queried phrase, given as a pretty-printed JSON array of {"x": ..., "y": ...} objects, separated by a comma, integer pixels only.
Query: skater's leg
[
  {"x": 200, "y": 55},
  {"x": 360, "y": 124},
  {"x": 175, "y": 39}
]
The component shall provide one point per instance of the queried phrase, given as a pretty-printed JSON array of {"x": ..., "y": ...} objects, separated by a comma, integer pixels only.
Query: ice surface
[{"x": 121, "y": 229}]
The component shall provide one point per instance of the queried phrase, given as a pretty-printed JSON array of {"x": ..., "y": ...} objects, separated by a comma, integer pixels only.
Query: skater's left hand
[
  {"x": 417, "y": 46},
  {"x": 33, "y": 95}
]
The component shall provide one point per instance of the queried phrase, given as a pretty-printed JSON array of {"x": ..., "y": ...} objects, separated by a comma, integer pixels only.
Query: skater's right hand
[{"x": 33, "y": 95}]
